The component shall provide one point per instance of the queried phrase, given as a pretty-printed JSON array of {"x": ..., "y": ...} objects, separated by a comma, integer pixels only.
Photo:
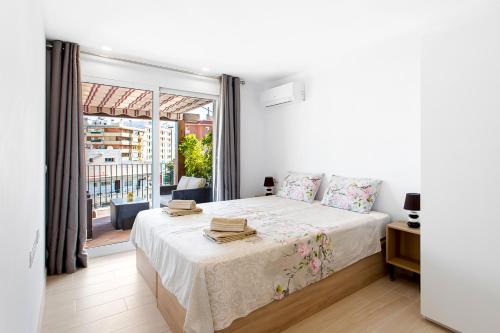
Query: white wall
[
  {"x": 22, "y": 154},
  {"x": 147, "y": 76},
  {"x": 253, "y": 161},
  {"x": 460, "y": 174},
  {"x": 361, "y": 118}
]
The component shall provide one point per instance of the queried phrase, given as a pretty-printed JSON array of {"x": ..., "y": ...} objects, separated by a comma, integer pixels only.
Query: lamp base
[
  {"x": 413, "y": 220},
  {"x": 269, "y": 191},
  {"x": 414, "y": 225}
]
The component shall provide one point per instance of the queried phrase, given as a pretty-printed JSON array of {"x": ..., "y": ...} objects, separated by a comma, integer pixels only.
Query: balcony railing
[{"x": 107, "y": 181}]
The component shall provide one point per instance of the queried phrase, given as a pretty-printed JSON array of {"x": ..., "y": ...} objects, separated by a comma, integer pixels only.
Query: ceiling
[
  {"x": 252, "y": 39},
  {"x": 104, "y": 100}
]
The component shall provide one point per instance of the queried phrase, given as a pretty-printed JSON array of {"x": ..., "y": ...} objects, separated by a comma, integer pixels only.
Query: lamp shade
[
  {"x": 412, "y": 201},
  {"x": 269, "y": 181}
]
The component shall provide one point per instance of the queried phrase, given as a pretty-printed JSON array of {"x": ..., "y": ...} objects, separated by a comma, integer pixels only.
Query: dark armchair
[{"x": 170, "y": 192}]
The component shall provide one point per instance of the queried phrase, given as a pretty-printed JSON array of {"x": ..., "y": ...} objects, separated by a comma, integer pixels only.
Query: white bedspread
[{"x": 297, "y": 244}]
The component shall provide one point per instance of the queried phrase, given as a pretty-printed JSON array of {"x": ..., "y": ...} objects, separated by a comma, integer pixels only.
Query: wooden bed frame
[{"x": 277, "y": 315}]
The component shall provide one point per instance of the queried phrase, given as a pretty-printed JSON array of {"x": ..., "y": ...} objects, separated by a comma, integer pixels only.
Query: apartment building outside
[
  {"x": 101, "y": 134},
  {"x": 103, "y": 156},
  {"x": 167, "y": 153},
  {"x": 199, "y": 128}
]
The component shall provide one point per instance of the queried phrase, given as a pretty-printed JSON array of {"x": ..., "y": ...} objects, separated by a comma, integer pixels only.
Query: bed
[{"x": 305, "y": 257}]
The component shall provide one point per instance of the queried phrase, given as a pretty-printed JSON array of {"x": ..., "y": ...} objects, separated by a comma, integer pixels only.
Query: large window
[{"x": 128, "y": 151}]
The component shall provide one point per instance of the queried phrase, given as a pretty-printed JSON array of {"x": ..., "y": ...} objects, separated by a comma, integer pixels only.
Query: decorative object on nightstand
[
  {"x": 402, "y": 247},
  {"x": 269, "y": 184},
  {"x": 412, "y": 203}
]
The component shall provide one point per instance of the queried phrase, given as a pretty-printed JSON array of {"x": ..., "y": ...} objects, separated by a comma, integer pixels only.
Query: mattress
[{"x": 297, "y": 244}]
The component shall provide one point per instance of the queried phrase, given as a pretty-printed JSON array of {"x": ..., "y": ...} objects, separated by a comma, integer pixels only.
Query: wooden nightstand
[{"x": 402, "y": 247}]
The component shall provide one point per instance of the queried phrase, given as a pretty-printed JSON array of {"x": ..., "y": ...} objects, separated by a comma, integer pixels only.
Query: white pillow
[
  {"x": 300, "y": 186},
  {"x": 196, "y": 183},
  {"x": 354, "y": 194},
  {"x": 183, "y": 183}
]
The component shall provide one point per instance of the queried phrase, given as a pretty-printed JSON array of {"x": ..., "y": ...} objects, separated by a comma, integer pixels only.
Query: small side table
[
  {"x": 123, "y": 212},
  {"x": 402, "y": 247}
]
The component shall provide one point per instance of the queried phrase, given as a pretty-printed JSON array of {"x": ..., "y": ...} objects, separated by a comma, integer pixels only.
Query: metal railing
[{"x": 107, "y": 181}]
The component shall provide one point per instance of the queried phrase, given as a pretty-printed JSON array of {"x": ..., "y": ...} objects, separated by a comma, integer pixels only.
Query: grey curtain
[
  {"x": 227, "y": 141},
  {"x": 66, "y": 196}
]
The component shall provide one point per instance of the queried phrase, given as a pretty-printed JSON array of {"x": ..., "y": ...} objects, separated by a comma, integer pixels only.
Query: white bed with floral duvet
[{"x": 297, "y": 244}]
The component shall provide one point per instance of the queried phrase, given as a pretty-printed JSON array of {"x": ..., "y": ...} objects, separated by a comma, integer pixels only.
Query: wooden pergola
[
  {"x": 113, "y": 101},
  {"x": 105, "y": 100}
]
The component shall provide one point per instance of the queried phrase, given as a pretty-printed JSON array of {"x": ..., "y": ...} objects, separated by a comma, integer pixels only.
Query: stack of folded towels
[
  {"x": 225, "y": 229},
  {"x": 182, "y": 207}
]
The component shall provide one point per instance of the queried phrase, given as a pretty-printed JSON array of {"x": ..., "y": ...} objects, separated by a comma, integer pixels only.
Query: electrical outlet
[{"x": 34, "y": 248}]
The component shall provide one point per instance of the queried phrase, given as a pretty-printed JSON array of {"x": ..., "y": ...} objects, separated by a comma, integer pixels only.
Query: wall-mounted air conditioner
[{"x": 284, "y": 94}]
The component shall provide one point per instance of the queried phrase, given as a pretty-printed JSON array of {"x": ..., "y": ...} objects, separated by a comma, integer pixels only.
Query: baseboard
[
  {"x": 42, "y": 303},
  {"x": 442, "y": 325},
  {"x": 105, "y": 250}
]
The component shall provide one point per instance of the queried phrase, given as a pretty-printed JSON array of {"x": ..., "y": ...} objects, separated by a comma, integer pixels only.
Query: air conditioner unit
[{"x": 284, "y": 94}]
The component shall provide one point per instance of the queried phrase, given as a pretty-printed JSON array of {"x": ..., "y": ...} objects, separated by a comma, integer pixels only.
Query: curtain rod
[{"x": 135, "y": 62}]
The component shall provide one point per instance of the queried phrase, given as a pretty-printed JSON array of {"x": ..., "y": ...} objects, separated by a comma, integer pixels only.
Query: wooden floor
[
  {"x": 111, "y": 296},
  {"x": 383, "y": 307},
  {"x": 105, "y": 234}
]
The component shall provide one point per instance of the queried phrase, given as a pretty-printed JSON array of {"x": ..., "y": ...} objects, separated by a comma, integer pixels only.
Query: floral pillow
[
  {"x": 354, "y": 194},
  {"x": 300, "y": 186}
]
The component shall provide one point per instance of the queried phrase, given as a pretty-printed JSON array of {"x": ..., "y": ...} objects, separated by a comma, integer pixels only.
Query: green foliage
[
  {"x": 170, "y": 166},
  {"x": 197, "y": 156},
  {"x": 207, "y": 143},
  {"x": 168, "y": 177}
]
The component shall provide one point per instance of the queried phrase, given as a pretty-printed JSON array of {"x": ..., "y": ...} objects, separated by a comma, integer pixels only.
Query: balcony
[
  {"x": 117, "y": 142},
  {"x": 122, "y": 134},
  {"x": 111, "y": 180},
  {"x": 93, "y": 134},
  {"x": 106, "y": 181},
  {"x": 95, "y": 131},
  {"x": 95, "y": 139}
]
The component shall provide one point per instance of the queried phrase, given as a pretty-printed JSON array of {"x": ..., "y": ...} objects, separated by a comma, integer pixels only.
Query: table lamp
[
  {"x": 412, "y": 203},
  {"x": 269, "y": 184}
]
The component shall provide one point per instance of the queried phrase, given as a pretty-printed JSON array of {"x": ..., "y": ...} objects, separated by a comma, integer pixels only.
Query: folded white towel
[
  {"x": 228, "y": 224},
  {"x": 224, "y": 237},
  {"x": 182, "y": 204},
  {"x": 182, "y": 212}
]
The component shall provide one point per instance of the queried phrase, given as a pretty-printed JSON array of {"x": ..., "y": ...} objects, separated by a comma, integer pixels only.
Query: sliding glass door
[
  {"x": 139, "y": 141},
  {"x": 187, "y": 119},
  {"x": 118, "y": 145}
]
